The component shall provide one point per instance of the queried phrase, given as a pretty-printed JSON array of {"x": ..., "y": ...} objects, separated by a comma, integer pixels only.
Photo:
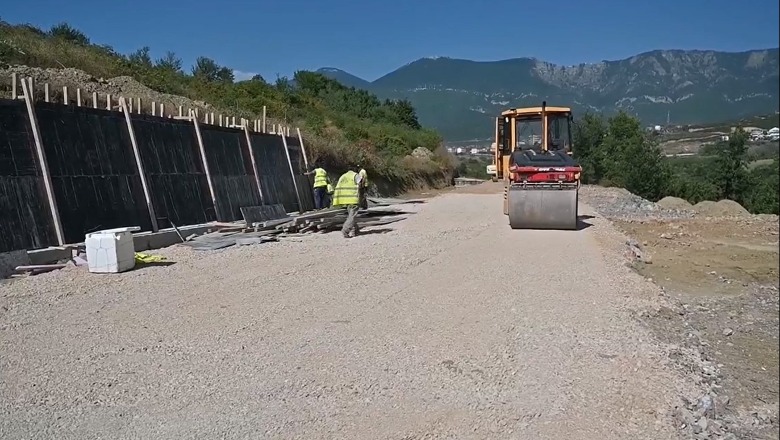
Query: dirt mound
[
  {"x": 722, "y": 208},
  {"x": 674, "y": 203}
]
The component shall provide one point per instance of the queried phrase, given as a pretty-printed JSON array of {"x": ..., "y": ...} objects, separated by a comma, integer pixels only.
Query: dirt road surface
[{"x": 450, "y": 325}]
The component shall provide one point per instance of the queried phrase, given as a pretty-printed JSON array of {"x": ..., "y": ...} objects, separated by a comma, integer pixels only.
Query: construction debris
[{"x": 270, "y": 230}]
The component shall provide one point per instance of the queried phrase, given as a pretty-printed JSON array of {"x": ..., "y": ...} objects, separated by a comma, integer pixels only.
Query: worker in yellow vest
[
  {"x": 321, "y": 184},
  {"x": 363, "y": 187},
  {"x": 347, "y": 195}
]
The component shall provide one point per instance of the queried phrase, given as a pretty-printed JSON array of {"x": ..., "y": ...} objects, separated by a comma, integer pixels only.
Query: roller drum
[{"x": 543, "y": 208}]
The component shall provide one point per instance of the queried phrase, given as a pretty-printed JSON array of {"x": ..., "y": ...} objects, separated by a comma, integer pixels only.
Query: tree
[
  {"x": 141, "y": 57},
  {"x": 404, "y": 113},
  {"x": 632, "y": 160},
  {"x": 732, "y": 166},
  {"x": 64, "y": 31},
  {"x": 588, "y": 134},
  {"x": 258, "y": 77},
  {"x": 170, "y": 62},
  {"x": 208, "y": 70}
]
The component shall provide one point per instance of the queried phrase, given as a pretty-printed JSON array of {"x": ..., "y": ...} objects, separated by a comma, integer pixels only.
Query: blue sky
[{"x": 371, "y": 38}]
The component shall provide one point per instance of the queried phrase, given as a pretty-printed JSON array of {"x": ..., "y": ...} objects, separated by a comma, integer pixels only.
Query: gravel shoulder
[
  {"x": 448, "y": 325},
  {"x": 718, "y": 271}
]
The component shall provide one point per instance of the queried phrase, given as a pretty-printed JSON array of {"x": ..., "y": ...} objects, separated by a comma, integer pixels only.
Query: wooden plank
[
  {"x": 303, "y": 149},
  {"x": 55, "y": 214},
  {"x": 255, "y": 170},
  {"x": 205, "y": 161},
  {"x": 139, "y": 163},
  {"x": 292, "y": 173},
  {"x": 14, "y": 81}
]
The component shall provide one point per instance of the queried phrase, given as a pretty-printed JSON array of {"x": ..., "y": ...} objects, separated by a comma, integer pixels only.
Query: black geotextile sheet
[
  {"x": 25, "y": 218},
  {"x": 174, "y": 171},
  {"x": 231, "y": 171},
  {"x": 275, "y": 178},
  {"x": 93, "y": 170}
]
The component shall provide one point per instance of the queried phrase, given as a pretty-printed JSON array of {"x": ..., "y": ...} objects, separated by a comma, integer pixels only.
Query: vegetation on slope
[
  {"x": 617, "y": 152},
  {"x": 340, "y": 124}
]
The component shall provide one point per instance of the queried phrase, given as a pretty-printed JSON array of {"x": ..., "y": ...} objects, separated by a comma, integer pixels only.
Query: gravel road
[{"x": 451, "y": 325}]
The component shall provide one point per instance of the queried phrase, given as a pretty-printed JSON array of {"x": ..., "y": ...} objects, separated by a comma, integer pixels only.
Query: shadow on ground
[
  {"x": 375, "y": 231},
  {"x": 582, "y": 224},
  {"x": 139, "y": 265}
]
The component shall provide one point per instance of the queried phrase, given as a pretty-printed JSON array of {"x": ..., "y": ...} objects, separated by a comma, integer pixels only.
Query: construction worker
[
  {"x": 363, "y": 187},
  {"x": 321, "y": 184},
  {"x": 347, "y": 195}
]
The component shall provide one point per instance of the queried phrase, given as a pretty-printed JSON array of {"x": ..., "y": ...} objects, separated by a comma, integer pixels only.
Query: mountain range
[{"x": 460, "y": 98}]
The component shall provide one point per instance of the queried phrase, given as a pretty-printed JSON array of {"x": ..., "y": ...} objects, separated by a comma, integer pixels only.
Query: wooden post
[
  {"x": 254, "y": 164},
  {"x": 205, "y": 161},
  {"x": 138, "y": 105},
  {"x": 108, "y": 101},
  {"x": 154, "y": 107},
  {"x": 264, "y": 131},
  {"x": 220, "y": 120},
  {"x": 303, "y": 149},
  {"x": 14, "y": 92},
  {"x": 180, "y": 113},
  {"x": 234, "y": 121},
  {"x": 138, "y": 163},
  {"x": 31, "y": 86},
  {"x": 211, "y": 118},
  {"x": 94, "y": 100},
  {"x": 46, "y": 93},
  {"x": 55, "y": 214},
  {"x": 65, "y": 95},
  {"x": 78, "y": 97},
  {"x": 292, "y": 173},
  {"x": 129, "y": 104}
]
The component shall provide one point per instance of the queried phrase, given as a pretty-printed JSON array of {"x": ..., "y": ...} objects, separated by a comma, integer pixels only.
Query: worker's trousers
[
  {"x": 350, "y": 228},
  {"x": 321, "y": 197}
]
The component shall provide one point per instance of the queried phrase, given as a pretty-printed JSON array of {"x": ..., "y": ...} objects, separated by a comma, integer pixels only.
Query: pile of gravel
[
  {"x": 620, "y": 204},
  {"x": 721, "y": 208},
  {"x": 674, "y": 203}
]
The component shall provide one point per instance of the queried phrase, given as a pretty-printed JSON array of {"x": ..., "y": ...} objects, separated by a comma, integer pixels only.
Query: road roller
[{"x": 533, "y": 157}]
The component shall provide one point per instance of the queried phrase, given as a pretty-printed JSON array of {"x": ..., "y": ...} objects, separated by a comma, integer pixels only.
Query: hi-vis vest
[
  {"x": 346, "y": 192},
  {"x": 320, "y": 178}
]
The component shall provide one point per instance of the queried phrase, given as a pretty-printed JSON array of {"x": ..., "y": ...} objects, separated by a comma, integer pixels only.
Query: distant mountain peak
[{"x": 460, "y": 97}]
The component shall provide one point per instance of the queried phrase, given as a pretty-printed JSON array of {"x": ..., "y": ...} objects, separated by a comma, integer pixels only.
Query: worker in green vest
[
  {"x": 347, "y": 195},
  {"x": 321, "y": 183}
]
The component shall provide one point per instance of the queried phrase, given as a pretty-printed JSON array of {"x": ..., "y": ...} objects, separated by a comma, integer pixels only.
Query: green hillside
[{"x": 340, "y": 124}]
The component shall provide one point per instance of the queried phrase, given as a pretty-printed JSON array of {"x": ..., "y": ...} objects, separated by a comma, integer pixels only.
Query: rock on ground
[{"x": 450, "y": 325}]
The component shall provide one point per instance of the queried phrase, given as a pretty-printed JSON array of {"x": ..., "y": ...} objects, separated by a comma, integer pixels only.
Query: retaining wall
[{"x": 96, "y": 181}]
